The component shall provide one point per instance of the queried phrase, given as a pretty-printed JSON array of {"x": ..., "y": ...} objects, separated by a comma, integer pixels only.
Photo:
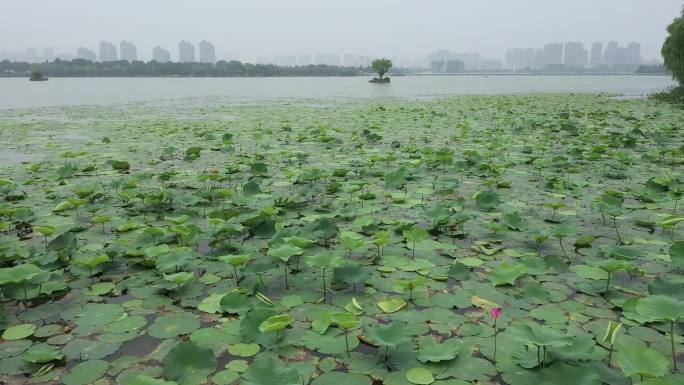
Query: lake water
[{"x": 19, "y": 93}]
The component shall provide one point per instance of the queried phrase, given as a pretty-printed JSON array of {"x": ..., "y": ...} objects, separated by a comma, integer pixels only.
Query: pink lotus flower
[{"x": 496, "y": 313}]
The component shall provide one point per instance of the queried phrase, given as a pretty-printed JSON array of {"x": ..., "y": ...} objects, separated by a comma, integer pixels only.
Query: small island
[
  {"x": 381, "y": 66},
  {"x": 37, "y": 76}
]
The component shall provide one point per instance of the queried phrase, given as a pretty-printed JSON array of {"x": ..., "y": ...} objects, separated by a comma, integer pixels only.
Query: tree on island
[
  {"x": 673, "y": 48},
  {"x": 381, "y": 66}
]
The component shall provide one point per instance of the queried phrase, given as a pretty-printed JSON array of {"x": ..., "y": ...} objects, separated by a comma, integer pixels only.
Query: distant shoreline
[
  {"x": 482, "y": 74},
  {"x": 236, "y": 69}
]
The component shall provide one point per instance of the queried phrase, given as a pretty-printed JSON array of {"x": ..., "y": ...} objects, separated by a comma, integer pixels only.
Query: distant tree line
[
  {"x": 652, "y": 69},
  {"x": 123, "y": 68}
]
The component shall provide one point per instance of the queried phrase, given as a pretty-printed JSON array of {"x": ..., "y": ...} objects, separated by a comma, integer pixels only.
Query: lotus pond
[{"x": 479, "y": 239}]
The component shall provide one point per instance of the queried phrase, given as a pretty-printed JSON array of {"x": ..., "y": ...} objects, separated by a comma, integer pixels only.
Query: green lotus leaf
[
  {"x": 42, "y": 353},
  {"x": 507, "y": 273},
  {"x": 354, "y": 307},
  {"x": 284, "y": 252},
  {"x": 341, "y": 378},
  {"x": 100, "y": 288},
  {"x": 420, "y": 376},
  {"x": 660, "y": 308},
  {"x": 642, "y": 361},
  {"x": 127, "y": 324},
  {"x": 180, "y": 278},
  {"x": 415, "y": 235},
  {"x": 539, "y": 335},
  {"x": 676, "y": 252},
  {"x": 514, "y": 222},
  {"x": 188, "y": 359},
  {"x": 669, "y": 287},
  {"x": 19, "y": 273},
  {"x": 391, "y": 305},
  {"x": 275, "y": 323},
  {"x": 234, "y": 260},
  {"x": 300, "y": 242},
  {"x": 211, "y": 304},
  {"x": 330, "y": 341},
  {"x": 563, "y": 230},
  {"x": 99, "y": 314},
  {"x": 244, "y": 350},
  {"x": 397, "y": 179},
  {"x": 487, "y": 200},
  {"x": 613, "y": 265},
  {"x": 86, "y": 373},
  {"x": 556, "y": 374},
  {"x": 13, "y": 348},
  {"x": 89, "y": 349},
  {"x": 267, "y": 370},
  {"x": 589, "y": 272},
  {"x": 225, "y": 377},
  {"x": 323, "y": 260},
  {"x": 179, "y": 220},
  {"x": 389, "y": 335},
  {"x": 290, "y": 301},
  {"x": 431, "y": 351},
  {"x": 120, "y": 165},
  {"x": 91, "y": 261},
  {"x": 235, "y": 303},
  {"x": 249, "y": 325},
  {"x": 351, "y": 240},
  {"x": 141, "y": 379},
  {"x": 611, "y": 332},
  {"x": 170, "y": 326},
  {"x": 344, "y": 320},
  {"x": 18, "y": 332}
]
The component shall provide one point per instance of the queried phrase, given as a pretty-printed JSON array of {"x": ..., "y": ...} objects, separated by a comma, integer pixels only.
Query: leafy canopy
[{"x": 381, "y": 66}]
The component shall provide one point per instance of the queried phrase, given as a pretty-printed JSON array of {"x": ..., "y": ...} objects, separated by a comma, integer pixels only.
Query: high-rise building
[
  {"x": 285, "y": 60},
  {"x": 633, "y": 53},
  {"x": 328, "y": 59},
  {"x": 610, "y": 56},
  {"x": 553, "y": 53},
  {"x": 540, "y": 58},
  {"x": 438, "y": 56},
  {"x": 85, "y": 54},
  {"x": 304, "y": 60},
  {"x": 349, "y": 60},
  {"x": 128, "y": 51},
  {"x": 31, "y": 55},
  {"x": 596, "y": 53},
  {"x": 470, "y": 60},
  {"x": 207, "y": 52},
  {"x": 48, "y": 54},
  {"x": 107, "y": 52},
  {"x": 186, "y": 52},
  {"x": 517, "y": 58},
  {"x": 160, "y": 55},
  {"x": 575, "y": 54}
]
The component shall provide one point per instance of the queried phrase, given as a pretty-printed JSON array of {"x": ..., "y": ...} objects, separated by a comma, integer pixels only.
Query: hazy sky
[{"x": 406, "y": 28}]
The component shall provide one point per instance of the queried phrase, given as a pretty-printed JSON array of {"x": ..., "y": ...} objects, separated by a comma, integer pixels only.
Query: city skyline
[
  {"x": 574, "y": 54},
  {"x": 483, "y": 27},
  {"x": 571, "y": 53}
]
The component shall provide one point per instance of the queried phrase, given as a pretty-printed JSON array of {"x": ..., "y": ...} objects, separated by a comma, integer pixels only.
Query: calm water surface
[{"x": 20, "y": 93}]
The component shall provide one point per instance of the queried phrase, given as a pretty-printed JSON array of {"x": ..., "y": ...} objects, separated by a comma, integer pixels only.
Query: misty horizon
[{"x": 263, "y": 29}]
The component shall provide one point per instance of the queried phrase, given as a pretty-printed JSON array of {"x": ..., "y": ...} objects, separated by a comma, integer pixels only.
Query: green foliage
[
  {"x": 188, "y": 360},
  {"x": 267, "y": 370},
  {"x": 416, "y": 218},
  {"x": 673, "y": 48},
  {"x": 381, "y": 66}
]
